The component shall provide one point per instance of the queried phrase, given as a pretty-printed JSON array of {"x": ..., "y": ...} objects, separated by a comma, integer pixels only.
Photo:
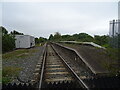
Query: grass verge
[
  {"x": 9, "y": 72},
  {"x": 113, "y": 65},
  {"x": 20, "y": 53},
  {"x": 0, "y": 76}
]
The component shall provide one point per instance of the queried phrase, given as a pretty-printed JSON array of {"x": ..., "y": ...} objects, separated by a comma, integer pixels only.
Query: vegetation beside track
[
  {"x": 9, "y": 72},
  {"x": 0, "y": 76},
  {"x": 113, "y": 66},
  {"x": 20, "y": 53}
]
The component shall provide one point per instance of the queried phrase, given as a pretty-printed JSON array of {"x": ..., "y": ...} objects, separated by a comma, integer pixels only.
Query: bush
[{"x": 8, "y": 43}]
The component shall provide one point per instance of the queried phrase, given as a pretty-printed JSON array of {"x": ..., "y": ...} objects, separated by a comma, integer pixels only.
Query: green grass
[
  {"x": 6, "y": 80},
  {"x": 113, "y": 53},
  {"x": 106, "y": 45},
  {"x": 0, "y": 76},
  {"x": 9, "y": 72},
  {"x": 0, "y": 68},
  {"x": 112, "y": 66},
  {"x": 40, "y": 44},
  {"x": 20, "y": 53}
]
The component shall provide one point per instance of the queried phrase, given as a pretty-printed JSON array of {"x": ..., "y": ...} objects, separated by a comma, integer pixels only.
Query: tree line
[
  {"x": 40, "y": 40},
  {"x": 81, "y": 37},
  {"x": 8, "y": 39}
]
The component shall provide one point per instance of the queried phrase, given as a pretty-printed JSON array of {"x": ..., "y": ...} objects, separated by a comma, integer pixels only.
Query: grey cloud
[{"x": 42, "y": 19}]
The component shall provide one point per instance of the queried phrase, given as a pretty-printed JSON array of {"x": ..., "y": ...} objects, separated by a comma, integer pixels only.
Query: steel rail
[
  {"x": 73, "y": 72},
  {"x": 86, "y": 63},
  {"x": 42, "y": 69}
]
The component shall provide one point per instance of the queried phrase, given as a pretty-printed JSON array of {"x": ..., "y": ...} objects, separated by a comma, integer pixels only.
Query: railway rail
[{"x": 55, "y": 69}]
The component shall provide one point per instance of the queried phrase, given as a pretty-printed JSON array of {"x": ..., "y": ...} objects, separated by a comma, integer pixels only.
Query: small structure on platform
[{"x": 24, "y": 41}]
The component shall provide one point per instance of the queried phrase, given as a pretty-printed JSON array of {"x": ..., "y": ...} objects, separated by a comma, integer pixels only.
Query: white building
[{"x": 24, "y": 41}]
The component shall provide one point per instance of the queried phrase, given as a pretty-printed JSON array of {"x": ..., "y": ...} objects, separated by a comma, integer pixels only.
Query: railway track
[
  {"x": 58, "y": 72},
  {"x": 55, "y": 69}
]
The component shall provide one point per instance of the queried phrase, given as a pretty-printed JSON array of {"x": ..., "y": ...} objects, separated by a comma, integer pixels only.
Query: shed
[{"x": 24, "y": 41}]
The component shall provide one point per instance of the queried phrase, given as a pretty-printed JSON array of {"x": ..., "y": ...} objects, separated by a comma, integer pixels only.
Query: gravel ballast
[{"x": 27, "y": 65}]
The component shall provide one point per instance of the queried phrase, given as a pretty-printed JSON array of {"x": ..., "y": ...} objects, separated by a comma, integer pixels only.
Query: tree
[
  {"x": 101, "y": 40},
  {"x": 16, "y": 33},
  {"x": 42, "y": 40},
  {"x": 67, "y": 38},
  {"x": 4, "y": 31},
  {"x": 57, "y": 36},
  {"x": 51, "y": 37},
  {"x": 8, "y": 41},
  {"x": 83, "y": 37},
  {"x": 36, "y": 40}
]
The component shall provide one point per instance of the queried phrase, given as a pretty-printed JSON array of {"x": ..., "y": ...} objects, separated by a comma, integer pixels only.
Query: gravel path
[{"x": 27, "y": 64}]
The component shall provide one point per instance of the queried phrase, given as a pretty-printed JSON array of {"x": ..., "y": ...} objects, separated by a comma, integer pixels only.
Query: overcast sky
[{"x": 43, "y": 19}]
